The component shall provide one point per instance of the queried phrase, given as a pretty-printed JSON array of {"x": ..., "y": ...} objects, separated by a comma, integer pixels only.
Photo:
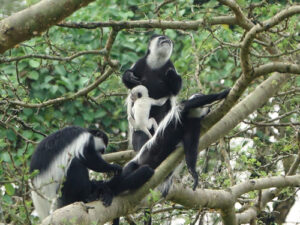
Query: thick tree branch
[
  {"x": 247, "y": 106},
  {"x": 265, "y": 183},
  {"x": 119, "y": 156},
  {"x": 241, "y": 19},
  {"x": 163, "y": 24},
  {"x": 276, "y": 67},
  {"x": 34, "y": 20},
  {"x": 225, "y": 199}
]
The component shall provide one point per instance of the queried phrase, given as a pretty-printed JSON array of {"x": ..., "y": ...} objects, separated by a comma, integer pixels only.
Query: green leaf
[
  {"x": 54, "y": 89},
  {"x": 48, "y": 78},
  {"x": 100, "y": 114},
  {"x": 33, "y": 75},
  {"x": 60, "y": 70},
  {"x": 123, "y": 125},
  {"x": 34, "y": 63},
  {"x": 5, "y": 157},
  {"x": 10, "y": 134},
  {"x": 7, "y": 199},
  {"x": 28, "y": 111},
  {"x": 9, "y": 189}
]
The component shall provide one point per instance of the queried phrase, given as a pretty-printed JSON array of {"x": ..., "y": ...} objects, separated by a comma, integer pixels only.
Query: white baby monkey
[{"x": 140, "y": 111}]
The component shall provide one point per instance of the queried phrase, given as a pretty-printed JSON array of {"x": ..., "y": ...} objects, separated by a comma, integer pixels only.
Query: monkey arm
[
  {"x": 130, "y": 80},
  {"x": 174, "y": 81},
  {"x": 201, "y": 100},
  {"x": 159, "y": 102},
  {"x": 93, "y": 160},
  {"x": 131, "y": 121}
]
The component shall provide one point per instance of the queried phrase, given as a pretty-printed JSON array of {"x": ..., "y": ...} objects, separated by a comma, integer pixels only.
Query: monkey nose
[{"x": 133, "y": 98}]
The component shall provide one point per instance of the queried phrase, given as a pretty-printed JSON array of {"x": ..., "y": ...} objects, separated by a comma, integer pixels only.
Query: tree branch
[
  {"x": 224, "y": 199},
  {"x": 241, "y": 19},
  {"x": 81, "y": 92},
  {"x": 119, "y": 156},
  {"x": 276, "y": 67},
  {"x": 38, "y": 18},
  {"x": 243, "y": 82},
  {"x": 245, "y": 50},
  {"x": 163, "y": 24},
  {"x": 265, "y": 183},
  {"x": 58, "y": 58},
  {"x": 268, "y": 195}
]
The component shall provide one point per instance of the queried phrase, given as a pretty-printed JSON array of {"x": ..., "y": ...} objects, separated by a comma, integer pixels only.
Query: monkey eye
[{"x": 139, "y": 95}]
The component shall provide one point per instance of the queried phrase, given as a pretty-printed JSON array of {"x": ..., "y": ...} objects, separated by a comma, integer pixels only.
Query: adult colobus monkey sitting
[
  {"x": 63, "y": 159},
  {"x": 182, "y": 124},
  {"x": 157, "y": 73}
]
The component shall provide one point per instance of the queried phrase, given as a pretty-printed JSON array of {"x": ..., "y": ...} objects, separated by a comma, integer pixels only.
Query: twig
[
  {"x": 81, "y": 92},
  {"x": 39, "y": 56}
]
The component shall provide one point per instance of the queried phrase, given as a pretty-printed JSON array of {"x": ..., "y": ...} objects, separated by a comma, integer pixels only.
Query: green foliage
[
  {"x": 154, "y": 196},
  {"x": 36, "y": 80}
]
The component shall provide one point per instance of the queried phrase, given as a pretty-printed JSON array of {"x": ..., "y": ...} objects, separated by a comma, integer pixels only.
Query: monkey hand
[
  {"x": 105, "y": 195},
  {"x": 130, "y": 80},
  {"x": 171, "y": 73},
  {"x": 224, "y": 94},
  {"x": 116, "y": 169}
]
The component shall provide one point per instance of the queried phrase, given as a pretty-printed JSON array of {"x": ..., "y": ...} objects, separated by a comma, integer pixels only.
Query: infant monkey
[{"x": 140, "y": 111}]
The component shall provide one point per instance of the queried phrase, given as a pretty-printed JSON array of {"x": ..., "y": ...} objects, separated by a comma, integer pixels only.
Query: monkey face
[
  {"x": 138, "y": 92},
  {"x": 161, "y": 46},
  {"x": 100, "y": 138}
]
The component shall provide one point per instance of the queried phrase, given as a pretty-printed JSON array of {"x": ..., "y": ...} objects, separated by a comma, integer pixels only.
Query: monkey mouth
[{"x": 166, "y": 41}]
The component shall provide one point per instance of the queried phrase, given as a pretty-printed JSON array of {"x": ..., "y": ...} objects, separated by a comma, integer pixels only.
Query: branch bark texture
[{"x": 34, "y": 20}]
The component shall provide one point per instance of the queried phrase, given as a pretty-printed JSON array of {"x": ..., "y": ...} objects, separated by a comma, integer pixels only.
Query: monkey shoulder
[{"x": 53, "y": 145}]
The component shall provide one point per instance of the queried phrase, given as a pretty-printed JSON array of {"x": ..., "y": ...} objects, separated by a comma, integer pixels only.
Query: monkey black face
[
  {"x": 161, "y": 45},
  {"x": 164, "y": 40},
  {"x": 161, "y": 39},
  {"x": 100, "y": 138}
]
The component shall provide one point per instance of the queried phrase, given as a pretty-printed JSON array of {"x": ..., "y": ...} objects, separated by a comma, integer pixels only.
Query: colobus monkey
[
  {"x": 157, "y": 73},
  {"x": 140, "y": 111},
  {"x": 182, "y": 124},
  {"x": 63, "y": 159}
]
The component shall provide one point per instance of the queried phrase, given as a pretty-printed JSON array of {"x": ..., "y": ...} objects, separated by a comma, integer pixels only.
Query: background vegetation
[{"x": 38, "y": 70}]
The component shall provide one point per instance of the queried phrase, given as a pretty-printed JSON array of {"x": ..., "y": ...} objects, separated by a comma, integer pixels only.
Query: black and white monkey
[
  {"x": 181, "y": 125},
  {"x": 140, "y": 111},
  {"x": 63, "y": 159},
  {"x": 157, "y": 73}
]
